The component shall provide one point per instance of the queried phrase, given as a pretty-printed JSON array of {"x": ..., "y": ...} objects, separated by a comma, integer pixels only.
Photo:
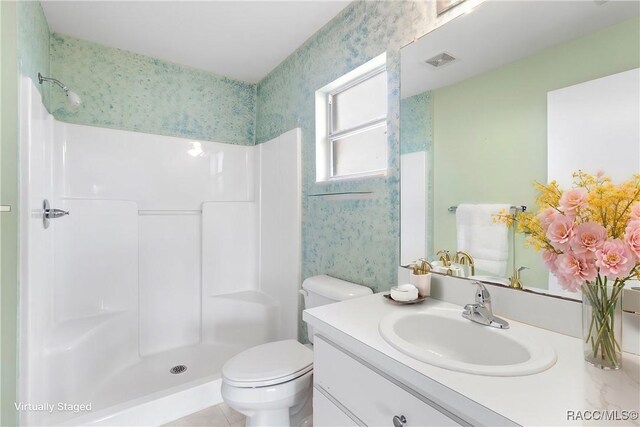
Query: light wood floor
[{"x": 214, "y": 416}]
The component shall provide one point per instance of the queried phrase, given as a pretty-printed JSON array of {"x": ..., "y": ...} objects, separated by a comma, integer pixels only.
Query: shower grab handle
[
  {"x": 48, "y": 213},
  {"x": 55, "y": 213}
]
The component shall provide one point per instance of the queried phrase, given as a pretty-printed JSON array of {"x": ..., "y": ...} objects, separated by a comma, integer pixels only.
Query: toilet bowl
[
  {"x": 271, "y": 384},
  {"x": 277, "y": 405}
]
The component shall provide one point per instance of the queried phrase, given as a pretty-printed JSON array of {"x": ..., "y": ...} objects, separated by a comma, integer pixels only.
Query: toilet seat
[{"x": 268, "y": 364}]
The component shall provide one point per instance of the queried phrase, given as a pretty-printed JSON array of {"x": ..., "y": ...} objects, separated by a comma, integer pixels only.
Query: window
[{"x": 351, "y": 124}]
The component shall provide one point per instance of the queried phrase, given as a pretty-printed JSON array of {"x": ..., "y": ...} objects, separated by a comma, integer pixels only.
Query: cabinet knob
[{"x": 398, "y": 421}]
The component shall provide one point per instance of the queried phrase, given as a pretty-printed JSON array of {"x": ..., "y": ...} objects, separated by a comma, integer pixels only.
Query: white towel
[{"x": 484, "y": 239}]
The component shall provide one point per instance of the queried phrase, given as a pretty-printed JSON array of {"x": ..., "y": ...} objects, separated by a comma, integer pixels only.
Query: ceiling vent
[{"x": 440, "y": 60}]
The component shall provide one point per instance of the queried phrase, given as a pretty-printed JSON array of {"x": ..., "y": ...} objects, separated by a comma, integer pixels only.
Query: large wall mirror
[{"x": 511, "y": 93}]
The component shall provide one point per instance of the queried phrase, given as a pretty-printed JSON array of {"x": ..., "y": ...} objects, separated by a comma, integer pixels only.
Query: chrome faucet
[{"x": 481, "y": 312}]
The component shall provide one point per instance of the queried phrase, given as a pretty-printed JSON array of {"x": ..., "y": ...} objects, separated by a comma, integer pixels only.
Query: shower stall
[{"x": 174, "y": 256}]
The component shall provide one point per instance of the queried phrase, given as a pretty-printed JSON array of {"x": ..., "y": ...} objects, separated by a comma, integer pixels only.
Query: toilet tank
[{"x": 321, "y": 290}]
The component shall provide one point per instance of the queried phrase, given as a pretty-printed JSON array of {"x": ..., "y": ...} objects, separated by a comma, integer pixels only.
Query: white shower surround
[{"x": 174, "y": 252}]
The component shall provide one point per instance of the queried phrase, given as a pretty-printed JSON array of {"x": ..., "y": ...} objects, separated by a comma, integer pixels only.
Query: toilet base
[{"x": 282, "y": 405}]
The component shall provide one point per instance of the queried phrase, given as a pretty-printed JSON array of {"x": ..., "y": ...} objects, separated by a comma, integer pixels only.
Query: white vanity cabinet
[
  {"x": 347, "y": 391},
  {"x": 326, "y": 413},
  {"x": 361, "y": 379}
]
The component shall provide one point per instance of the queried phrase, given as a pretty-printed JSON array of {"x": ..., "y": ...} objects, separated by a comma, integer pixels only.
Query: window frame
[
  {"x": 324, "y": 142},
  {"x": 333, "y": 136}
]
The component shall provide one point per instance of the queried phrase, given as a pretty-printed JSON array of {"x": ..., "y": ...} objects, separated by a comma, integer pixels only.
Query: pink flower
[
  {"x": 574, "y": 270},
  {"x": 549, "y": 258},
  {"x": 547, "y": 216},
  {"x": 635, "y": 212},
  {"x": 615, "y": 259},
  {"x": 560, "y": 232},
  {"x": 588, "y": 238},
  {"x": 572, "y": 200},
  {"x": 632, "y": 237}
]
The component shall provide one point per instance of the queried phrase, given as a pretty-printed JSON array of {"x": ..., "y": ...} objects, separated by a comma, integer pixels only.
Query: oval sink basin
[{"x": 442, "y": 337}]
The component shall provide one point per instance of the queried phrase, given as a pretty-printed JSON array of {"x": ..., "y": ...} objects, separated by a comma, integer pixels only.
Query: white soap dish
[
  {"x": 415, "y": 301},
  {"x": 406, "y": 292}
]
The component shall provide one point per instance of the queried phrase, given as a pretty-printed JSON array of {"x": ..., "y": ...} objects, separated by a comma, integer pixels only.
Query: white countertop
[{"x": 538, "y": 399}]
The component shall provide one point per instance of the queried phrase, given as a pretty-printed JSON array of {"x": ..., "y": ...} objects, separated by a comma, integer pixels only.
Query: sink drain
[{"x": 178, "y": 369}]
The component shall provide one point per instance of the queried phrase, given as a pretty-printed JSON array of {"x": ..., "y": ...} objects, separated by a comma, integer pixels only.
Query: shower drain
[{"x": 178, "y": 369}]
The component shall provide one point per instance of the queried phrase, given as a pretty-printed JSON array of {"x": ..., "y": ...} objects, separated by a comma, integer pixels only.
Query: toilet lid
[{"x": 268, "y": 364}]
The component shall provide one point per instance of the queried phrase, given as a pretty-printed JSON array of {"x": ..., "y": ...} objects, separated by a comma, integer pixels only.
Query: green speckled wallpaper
[
  {"x": 124, "y": 90},
  {"x": 416, "y": 123},
  {"x": 33, "y": 43},
  {"x": 356, "y": 240},
  {"x": 416, "y": 135}
]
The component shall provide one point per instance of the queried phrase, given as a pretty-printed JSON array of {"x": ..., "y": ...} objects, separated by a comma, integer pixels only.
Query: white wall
[
  {"x": 280, "y": 223},
  {"x": 169, "y": 180},
  {"x": 413, "y": 206},
  {"x": 36, "y": 245},
  {"x": 169, "y": 281},
  {"x": 229, "y": 247},
  {"x": 158, "y": 172},
  {"x": 595, "y": 126}
]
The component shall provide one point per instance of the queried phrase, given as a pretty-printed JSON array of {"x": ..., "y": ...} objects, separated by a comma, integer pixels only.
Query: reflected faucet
[
  {"x": 464, "y": 258},
  {"x": 514, "y": 281},
  {"x": 445, "y": 257},
  {"x": 421, "y": 267},
  {"x": 481, "y": 311}
]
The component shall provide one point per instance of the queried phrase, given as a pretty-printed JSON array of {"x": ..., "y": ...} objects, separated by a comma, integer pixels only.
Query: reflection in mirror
[{"x": 512, "y": 93}]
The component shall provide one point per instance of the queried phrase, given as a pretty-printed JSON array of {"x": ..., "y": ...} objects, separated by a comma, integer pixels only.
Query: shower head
[{"x": 72, "y": 98}]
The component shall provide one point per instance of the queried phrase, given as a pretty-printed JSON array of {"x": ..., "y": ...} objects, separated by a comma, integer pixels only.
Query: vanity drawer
[
  {"x": 327, "y": 414},
  {"x": 371, "y": 397}
]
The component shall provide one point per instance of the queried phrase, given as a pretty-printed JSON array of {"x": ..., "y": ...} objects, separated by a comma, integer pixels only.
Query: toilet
[{"x": 271, "y": 384}]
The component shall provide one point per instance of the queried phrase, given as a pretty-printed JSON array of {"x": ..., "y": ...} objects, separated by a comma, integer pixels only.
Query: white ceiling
[
  {"x": 243, "y": 40},
  {"x": 499, "y": 32}
]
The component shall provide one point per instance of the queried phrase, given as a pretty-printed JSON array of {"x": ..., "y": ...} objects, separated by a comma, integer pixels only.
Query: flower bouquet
[{"x": 589, "y": 236}]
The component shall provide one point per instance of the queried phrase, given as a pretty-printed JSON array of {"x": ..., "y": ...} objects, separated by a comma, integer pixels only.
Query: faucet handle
[
  {"x": 423, "y": 266},
  {"x": 514, "y": 281},
  {"x": 445, "y": 257},
  {"x": 481, "y": 312},
  {"x": 482, "y": 294}
]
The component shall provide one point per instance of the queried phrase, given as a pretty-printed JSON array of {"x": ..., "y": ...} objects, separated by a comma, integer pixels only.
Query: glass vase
[{"x": 602, "y": 324}]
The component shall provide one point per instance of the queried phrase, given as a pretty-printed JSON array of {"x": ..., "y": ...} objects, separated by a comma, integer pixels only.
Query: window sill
[{"x": 354, "y": 177}]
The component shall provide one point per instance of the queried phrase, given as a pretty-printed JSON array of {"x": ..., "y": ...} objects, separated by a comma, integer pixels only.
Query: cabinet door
[
  {"x": 371, "y": 397},
  {"x": 326, "y": 414}
]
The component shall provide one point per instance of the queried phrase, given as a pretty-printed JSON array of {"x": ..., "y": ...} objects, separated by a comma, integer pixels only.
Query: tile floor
[{"x": 214, "y": 416}]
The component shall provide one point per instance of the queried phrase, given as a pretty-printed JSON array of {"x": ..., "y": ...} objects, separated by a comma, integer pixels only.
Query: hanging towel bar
[{"x": 521, "y": 208}]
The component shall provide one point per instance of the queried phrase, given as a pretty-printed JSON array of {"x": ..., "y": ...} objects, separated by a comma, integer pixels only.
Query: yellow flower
[{"x": 608, "y": 204}]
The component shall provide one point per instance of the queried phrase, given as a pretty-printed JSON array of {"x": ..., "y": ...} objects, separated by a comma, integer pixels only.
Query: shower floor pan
[{"x": 149, "y": 393}]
